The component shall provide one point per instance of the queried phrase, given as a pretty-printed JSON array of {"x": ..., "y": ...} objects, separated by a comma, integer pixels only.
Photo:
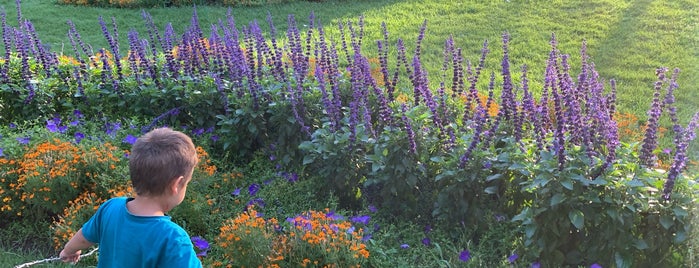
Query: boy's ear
[{"x": 177, "y": 184}]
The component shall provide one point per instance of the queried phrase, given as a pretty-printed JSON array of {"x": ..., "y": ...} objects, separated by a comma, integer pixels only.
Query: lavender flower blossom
[
  {"x": 409, "y": 130},
  {"x": 650, "y": 140},
  {"x": 680, "y": 159}
]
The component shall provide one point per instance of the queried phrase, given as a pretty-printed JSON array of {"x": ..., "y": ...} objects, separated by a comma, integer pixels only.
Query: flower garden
[{"x": 317, "y": 153}]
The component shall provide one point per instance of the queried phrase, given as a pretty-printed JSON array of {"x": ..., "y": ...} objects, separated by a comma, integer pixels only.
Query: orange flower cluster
[
  {"x": 315, "y": 238},
  {"x": 319, "y": 231},
  {"x": 205, "y": 164},
  {"x": 246, "y": 238},
  {"x": 51, "y": 174},
  {"x": 80, "y": 210},
  {"x": 77, "y": 213}
]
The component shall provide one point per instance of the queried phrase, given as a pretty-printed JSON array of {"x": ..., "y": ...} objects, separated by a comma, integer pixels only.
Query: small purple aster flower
[
  {"x": 426, "y": 241},
  {"x": 130, "y": 139},
  {"x": 13, "y": 125},
  {"x": 363, "y": 219},
  {"x": 51, "y": 125},
  {"x": 236, "y": 192},
  {"x": 214, "y": 138},
  {"x": 372, "y": 209},
  {"x": 512, "y": 258},
  {"x": 256, "y": 202},
  {"x": 23, "y": 140},
  {"x": 366, "y": 237},
  {"x": 79, "y": 136},
  {"x": 465, "y": 255},
  {"x": 404, "y": 246},
  {"x": 1, "y": 153},
  {"x": 334, "y": 216},
  {"x": 292, "y": 177},
  {"x": 253, "y": 189},
  {"x": 201, "y": 244},
  {"x": 595, "y": 265},
  {"x": 536, "y": 264}
]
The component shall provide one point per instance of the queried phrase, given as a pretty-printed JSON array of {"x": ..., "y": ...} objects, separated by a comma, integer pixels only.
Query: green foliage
[{"x": 618, "y": 219}]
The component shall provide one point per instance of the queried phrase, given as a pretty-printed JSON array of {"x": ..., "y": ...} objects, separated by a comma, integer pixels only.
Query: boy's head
[{"x": 159, "y": 158}]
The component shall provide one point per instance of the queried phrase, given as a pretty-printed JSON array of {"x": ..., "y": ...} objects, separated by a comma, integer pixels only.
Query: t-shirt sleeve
[{"x": 91, "y": 227}]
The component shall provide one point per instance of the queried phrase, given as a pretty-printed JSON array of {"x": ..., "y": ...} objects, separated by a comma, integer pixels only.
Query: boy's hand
[{"x": 72, "y": 257}]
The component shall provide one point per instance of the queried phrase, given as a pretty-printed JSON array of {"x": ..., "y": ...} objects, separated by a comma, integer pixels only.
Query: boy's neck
[{"x": 148, "y": 206}]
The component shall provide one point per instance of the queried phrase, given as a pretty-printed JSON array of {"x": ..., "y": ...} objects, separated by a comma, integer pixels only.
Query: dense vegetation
[{"x": 492, "y": 169}]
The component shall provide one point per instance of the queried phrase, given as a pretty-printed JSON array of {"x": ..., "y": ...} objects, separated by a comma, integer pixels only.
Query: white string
[{"x": 53, "y": 259}]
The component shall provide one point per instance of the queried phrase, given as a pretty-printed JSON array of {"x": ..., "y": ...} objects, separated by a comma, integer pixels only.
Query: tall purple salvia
[
  {"x": 668, "y": 104},
  {"x": 329, "y": 107},
  {"x": 570, "y": 97},
  {"x": 7, "y": 39},
  {"x": 507, "y": 95},
  {"x": 296, "y": 109},
  {"x": 472, "y": 99},
  {"x": 679, "y": 161},
  {"x": 383, "y": 46},
  {"x": 521, "y": 109},
  {"x": 106, "y": 74},
  {"x": 18, "y": 4},
  {"x": 408, "y": 129},
  {"x": 167, "y": 41},
  {"x": 48, "y": 60},
  {"x": 113, "y": 46},
  {"x": 559, "y": 131},
  {"x": 222, "y": 90},
  {"x": 23, "y": 51},
  {"x": 153, "y": 33},
  {"x": 276, "y": 51},
  {"x": 650, "y": 140},
  {"x": 480, "y": 118}
]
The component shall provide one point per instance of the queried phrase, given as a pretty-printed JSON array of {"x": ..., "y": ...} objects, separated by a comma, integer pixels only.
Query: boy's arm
[{"x": 72, "y": 249}]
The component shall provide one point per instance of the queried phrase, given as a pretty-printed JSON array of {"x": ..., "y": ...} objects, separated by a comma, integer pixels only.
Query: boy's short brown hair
[{"x": 159, "y": 157}]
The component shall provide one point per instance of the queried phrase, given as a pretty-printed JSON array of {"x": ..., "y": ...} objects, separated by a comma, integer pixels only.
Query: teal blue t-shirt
[{"x": 127, "y": 240}]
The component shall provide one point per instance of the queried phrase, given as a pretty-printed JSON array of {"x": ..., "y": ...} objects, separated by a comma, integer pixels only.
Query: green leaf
[
  {"x": 598, "y": 181},
  {"x": 567, "y": 183},
  {"x": 557, "y": 199},
  {"x": 577, "y": 218},
  {"x": 493, "y": 177},
  {"x": 666, "y": 221},
  {"x": 309, "y": 158},
  {"x": 634, "y": 183},
  {"x": 622, "y": 261},
  {"x": 491, "y": 189},
  {"x": 640, "y": 244}
]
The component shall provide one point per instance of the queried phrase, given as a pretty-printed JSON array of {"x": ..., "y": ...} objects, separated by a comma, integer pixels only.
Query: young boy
[{"x": 136, "y": 232}]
